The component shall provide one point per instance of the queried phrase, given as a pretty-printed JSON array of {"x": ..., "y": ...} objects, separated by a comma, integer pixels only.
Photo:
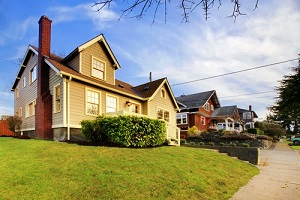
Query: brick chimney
[
  {"x": 250, "y": 107},
  {"x": 43, "y": 109}
]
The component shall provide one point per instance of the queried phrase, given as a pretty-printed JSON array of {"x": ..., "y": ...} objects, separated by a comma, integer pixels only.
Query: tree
[
  {"x": 287, "y": 107},
  {"x": 14, "y": 123},
  {"x": 140, "y": 7},
  {"x": 272, "y": 129}
]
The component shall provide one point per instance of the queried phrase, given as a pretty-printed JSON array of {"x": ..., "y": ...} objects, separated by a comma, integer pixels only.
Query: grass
[
  {"x": 38, "y": 169},
  {"x": 295, "y": 147}
]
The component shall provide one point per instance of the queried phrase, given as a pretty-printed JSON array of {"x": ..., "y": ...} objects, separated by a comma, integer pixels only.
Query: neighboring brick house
[
  {"x": 196, "y": 110},
  {"x": 247, "y": 117},
  {"x": 53, "y": 94}
]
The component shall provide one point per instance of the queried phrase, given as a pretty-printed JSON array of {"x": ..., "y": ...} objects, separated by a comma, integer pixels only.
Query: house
[
  {"x": 247, "y": 117},
  {"x": 53, "y": 94},
  {"x": 196, "y": 110},
  {"x": 226, "y": 118}
]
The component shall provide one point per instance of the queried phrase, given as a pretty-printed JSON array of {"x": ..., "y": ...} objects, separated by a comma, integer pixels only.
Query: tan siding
[
  {"x": 78, "y": 101},
  {"x": 26, "y": 95},
  {"x": 74, "y": 63},
  {"x": 98, "y": 52},
  {"x": 57, "y": 118},
  {"x": 163, "y": 103}
]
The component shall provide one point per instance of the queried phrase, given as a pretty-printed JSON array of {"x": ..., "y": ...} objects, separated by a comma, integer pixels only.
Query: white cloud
[{"x": 83, "y": 12}]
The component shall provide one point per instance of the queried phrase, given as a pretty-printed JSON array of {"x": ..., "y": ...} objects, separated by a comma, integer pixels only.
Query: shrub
[
  {"x": 222, "y": 144},
  {"x": 193, "y": 131},
  {"x": 253, "y": 131},
  {"x": 201, "y": 143},
  {"x": 232, "y": 144},
  {"x": 245, "y": 144},
  {"x": 126, "y": 130},
  {"x": 211, "y": 143},
  {"x": 192, "y": 143},
  {"x": 183, "y": 141}
]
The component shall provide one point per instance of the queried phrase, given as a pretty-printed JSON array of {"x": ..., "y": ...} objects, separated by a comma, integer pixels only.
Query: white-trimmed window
[
  {"x": 163, "y": 114},
  {"x": 33, "y": 74},
  {"x": 30, "y": 109},
  {"x": 163, "y": 93},
  {"x": 57, "y": 98},
  {"x": 202, "y": 120},
  {"x": 24, "y": 82},
  {"x": 111, "y": 104},
  {"x": 212, "y": 108},
  {"x": 206, "y": 106},
  {"x": 92, "y": 102},
  {"x": 98, "y": 68},
  {"x": 135, "y": 108},
  {"x": 247, "y": 115},
  {"x": 17, "y": 93},
  {"x": 20, "y": 112},
  {"x": 181, "y": 118}
]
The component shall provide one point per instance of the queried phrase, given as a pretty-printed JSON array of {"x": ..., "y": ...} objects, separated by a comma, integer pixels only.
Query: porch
[{"x": 228, "y": 124}]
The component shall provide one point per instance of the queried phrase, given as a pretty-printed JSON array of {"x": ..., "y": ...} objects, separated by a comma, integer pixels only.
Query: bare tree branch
[{"x": 187, "y": 7}]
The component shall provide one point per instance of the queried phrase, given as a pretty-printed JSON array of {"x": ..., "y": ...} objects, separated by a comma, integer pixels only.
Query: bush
[
  {"x": 192, "y": 143},
  {"x": 201, "y": 143},
  {"x": 211, "y": 143},
  {"x": 125, "y": 130},
  {"x": 245, "y": 144},
  {"x": 193, "y": 131},
  {"x": 232, "y": 144},
  {"x": 182, "y": 141},
  {"x": 253, "y": 131}
]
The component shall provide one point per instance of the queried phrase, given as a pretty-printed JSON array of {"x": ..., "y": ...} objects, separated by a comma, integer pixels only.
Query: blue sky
[{"x": 179, "y": 51}]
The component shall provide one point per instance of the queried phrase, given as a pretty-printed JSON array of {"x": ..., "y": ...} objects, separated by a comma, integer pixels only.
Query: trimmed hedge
[
  {"x": 125, "y": 130},
  {"x": 253, "y": 131}
]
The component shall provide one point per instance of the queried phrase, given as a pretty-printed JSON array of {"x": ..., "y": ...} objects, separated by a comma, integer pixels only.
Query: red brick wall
[{"x": 43, "y": 112}]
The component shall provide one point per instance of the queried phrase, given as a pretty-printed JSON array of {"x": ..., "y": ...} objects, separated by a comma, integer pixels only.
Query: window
[
  {"x": 92, "y": 103},
  {"x": 134, "y": 108},
  {"x": 163, "y": 114},
  {"x": 17, "y": 93},
  {"x": 20, "y": 112},
  {"x": 212, "y": 107},
  {"x": 33, "y": 74},
  {"x": 247, "y": 115},
  {"x": 163, "y": 93},
  {"x": 111, "y": 104},
  {"x": 181, "y": 118},
  {"x": 98, "y": 68},
  {"x": 57, "y": 99},
  {"x": 206, "y": 106},
  {"x": 30, "y": 109},
  {"x": 202, "y": 120},
  {"x": 24, "y": 82}
]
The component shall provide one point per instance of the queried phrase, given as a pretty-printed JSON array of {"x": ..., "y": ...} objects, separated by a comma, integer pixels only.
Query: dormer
[{"x": 94, "y": 59}]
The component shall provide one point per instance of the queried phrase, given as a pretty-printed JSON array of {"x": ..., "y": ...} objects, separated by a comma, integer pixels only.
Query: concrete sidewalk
[{"x": 279, "y": 176}]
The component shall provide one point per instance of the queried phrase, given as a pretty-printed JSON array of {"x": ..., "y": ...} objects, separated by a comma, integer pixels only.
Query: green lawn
[
  {"x": 38, "y": 169},
  {"x": 295, "y": 147}
]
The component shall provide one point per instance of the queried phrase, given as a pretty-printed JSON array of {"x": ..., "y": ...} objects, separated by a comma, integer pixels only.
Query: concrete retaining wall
[{"x": 250, "y": 154}]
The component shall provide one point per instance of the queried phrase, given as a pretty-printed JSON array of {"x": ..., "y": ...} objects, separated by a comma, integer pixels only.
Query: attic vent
[
  {"x": 121, "y": 86},
  {"x": 146, "y": 88}
]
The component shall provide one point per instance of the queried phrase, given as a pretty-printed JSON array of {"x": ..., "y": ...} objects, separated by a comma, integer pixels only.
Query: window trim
[
  {"x": 92, "y": 68},
  {"x": 181, "y": 118},
  {"x": 17, "y": 93},
  {"x": 31, "y": 72},
  {"x": 134, "y": 103},
  {"x": 203, "y": 121},
  {"x": 55, "y": 100},
  {"x": 24, "y": 82},
  {"x": 163, "y": 114},
  {"x": 27, "y": 109},
  {"x": 117, "y": 102},
  {"x": 86, "y": 101},
  {"x": 163, "y": 93},
  {"x": 20, "y": 112}
]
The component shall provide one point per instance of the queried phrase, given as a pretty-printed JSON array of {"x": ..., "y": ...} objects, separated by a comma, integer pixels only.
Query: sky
[{"x": 183, "y": 52}]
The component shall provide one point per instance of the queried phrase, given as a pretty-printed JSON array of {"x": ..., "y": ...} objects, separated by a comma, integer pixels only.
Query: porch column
[{"x": 226, "y": 124}]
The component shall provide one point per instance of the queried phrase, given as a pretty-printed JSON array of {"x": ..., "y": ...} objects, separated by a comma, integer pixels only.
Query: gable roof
[
  {"x": 225, "y": 111},
  {"x": 198, "y": 100},
  {"x": 99, "y": 38},
  {"x": 241, "y": 111},
  {"x": 139, "y": 92}
]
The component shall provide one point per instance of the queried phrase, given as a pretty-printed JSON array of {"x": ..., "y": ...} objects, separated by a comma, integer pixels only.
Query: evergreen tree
[{"x": 287, "y": 107}]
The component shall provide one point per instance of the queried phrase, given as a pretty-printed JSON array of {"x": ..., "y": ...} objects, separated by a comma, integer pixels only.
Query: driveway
[{"x": 279, "y": 176}]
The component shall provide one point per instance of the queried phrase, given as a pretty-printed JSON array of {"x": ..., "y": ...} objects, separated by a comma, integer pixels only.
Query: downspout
[{"x": 68, "y": 106}]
